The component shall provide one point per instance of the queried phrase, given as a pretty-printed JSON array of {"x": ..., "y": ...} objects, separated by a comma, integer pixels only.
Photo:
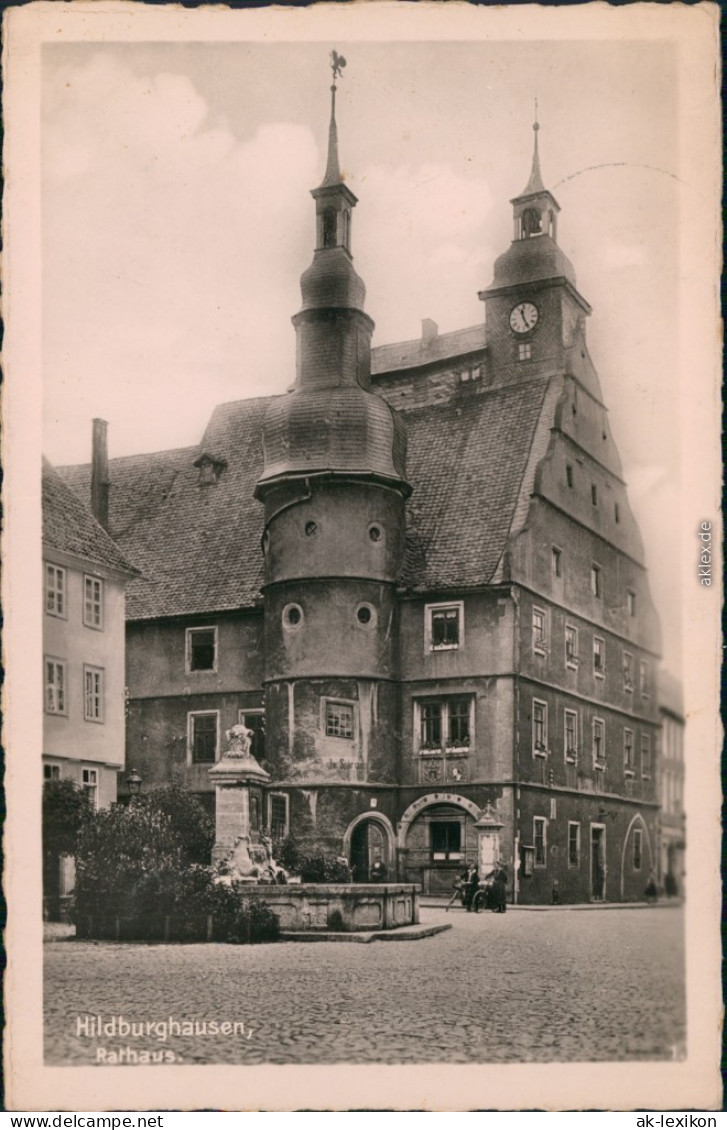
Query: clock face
[{"x": 523, "y": 317}]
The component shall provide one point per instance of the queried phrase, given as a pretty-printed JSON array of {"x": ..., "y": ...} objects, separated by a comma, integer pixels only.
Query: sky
[{"x": 177, "y": 220}]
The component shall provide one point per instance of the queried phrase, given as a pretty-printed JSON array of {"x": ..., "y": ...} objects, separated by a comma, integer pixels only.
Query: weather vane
[
  {"x": 536, "y": 124},
  {"x": 337, "y": 64}
]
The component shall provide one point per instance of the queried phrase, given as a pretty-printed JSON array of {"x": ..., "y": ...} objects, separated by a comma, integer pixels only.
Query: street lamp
[{"x": 134, "y": 782}]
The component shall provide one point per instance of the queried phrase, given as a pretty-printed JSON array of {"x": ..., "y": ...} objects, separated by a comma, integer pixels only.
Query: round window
[
  {"x": 311, "y": 528},
  {"x": 375, "y": 532},
  {"x": 365, "y": 615},
  {"x": 292, "y": 616}
]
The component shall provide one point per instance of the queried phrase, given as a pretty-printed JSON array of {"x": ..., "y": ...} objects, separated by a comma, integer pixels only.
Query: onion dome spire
[{"x": 331, "y": 422}]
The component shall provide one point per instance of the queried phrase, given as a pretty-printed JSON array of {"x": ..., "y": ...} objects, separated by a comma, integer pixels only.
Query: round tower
[{"x": 333, "y": 486}]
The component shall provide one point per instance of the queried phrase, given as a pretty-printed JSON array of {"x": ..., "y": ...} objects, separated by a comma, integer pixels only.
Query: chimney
[
  {"x": 430, "y": 330},
  {"x": 100, "y": 474}
]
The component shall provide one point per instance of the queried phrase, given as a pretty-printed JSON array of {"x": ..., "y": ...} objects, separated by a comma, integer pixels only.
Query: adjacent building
[
  {"x": 84, "y": 625},
  {"x": 672, "y": 821},
  {"x": 417, "y": 578}
]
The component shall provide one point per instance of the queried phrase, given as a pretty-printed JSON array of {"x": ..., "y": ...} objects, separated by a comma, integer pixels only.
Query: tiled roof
[
  {"x": 70, "y": 527},
  {"x": 198, "y": 546},
  {"x": 466, "y": 463},
  {"x": 413, "y": 354}
]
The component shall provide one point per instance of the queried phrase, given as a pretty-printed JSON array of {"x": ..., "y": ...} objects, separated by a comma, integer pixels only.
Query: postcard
[{"x": 369, "y": 588}]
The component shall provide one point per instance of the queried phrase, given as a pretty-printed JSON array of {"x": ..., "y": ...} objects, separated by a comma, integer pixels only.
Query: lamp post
[{"x": 134, "y": 783}]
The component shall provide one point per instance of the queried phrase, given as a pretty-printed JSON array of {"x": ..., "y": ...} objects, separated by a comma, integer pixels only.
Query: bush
[
  {"x": 287, "y": 853},
  {"x": 189, "y": 820},
  {"x": 324, "y": 869},
  {"x": 128, "y": 860}
]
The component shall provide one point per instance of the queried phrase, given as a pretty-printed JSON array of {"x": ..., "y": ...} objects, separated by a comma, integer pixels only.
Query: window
[
  {"x": 631, "y": 602},
  {"x": 599, "y": 657},
  {"x": 539, "y": 840},
  {"x": 339, "y": 719},
  {"x": 55, "y": 686},
  {"x": 616, "y": 512},
  {"x": 203, "y": 736},
  {"x": 524, "y": 351},
  {"x": 644, "y": 680},
  {"x": 278, "y": 815},
  {"x": 637, "y": 849},
  {"x": 445, "y": 723},
  {"x": 93, "y": 694},
  {"x": 557, "y": 562},
  {"x": 599, "y": 743},
  {"x": 539, "y": 631},
  {"x": 51, "y": 772},
  {"x": 574, "y": 844},
  {"x": 629, "y": 752},
  {"x": 646, "y": 756},
  {"x": 446, "y": 839},
  {"x": 201, "y": 649},
  {"x": 628, "y": 666},
  {"x": 596, "y": 580},
  {"x": 571, "y": 646},
  {"x": 93, "y": 602},
  {"x": 569, "y": 474},
  {"x": 594, "y": 494},
  {"x": 55, "y": 590},
  {"x": 571, "y": 735},
  {"x": 255, "y": 721},
  {"x": 540, "y": 728},
  {"x": 445, "y": 626},
  {"x": 89, "y": 782},
  {"x": 458, "y": 722}
]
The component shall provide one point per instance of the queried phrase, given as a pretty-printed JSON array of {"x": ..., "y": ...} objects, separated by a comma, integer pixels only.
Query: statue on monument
[{"x": 239, "y": 739}]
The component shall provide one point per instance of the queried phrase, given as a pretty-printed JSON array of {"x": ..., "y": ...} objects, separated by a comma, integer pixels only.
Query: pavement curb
[
  {"x": 402, "y": 934},
  {"x": 672, "y": 904}
]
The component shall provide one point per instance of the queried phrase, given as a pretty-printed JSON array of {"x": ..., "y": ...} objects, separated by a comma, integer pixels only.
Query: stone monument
[{"x": 238, "y": 781}]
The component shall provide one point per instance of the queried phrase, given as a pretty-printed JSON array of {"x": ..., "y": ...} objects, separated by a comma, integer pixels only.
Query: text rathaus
[{"x": 416, "y": 577}]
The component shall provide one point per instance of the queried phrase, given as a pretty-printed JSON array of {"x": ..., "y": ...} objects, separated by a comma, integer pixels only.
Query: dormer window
[{"x": 210, "y": 468}]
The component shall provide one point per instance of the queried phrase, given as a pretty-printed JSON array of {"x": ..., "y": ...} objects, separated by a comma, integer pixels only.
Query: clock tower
[{"x": 535, "y": 315}]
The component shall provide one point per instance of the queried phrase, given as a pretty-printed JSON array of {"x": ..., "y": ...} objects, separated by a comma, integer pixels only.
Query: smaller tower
[
  {"x": 535, "y": 210},
  {"x": 534, "y": 313}
]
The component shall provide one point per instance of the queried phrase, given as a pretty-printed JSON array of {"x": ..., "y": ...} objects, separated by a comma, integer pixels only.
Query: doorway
[
  {"x": 598, "y": 862},
  {"x": 368, "y": 847}
]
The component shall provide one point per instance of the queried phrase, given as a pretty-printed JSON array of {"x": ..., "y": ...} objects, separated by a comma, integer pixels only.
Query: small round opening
[
  {"x": 311, "y": 528},
  {"x": 364, "y": 614},
  {"x": 292, "y": 615},
  {"x": 375, "y": 533}
]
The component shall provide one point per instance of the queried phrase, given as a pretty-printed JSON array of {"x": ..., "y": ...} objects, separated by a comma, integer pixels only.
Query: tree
[
  {"x": 66, "y": 810},
  {"x": 66, "y": 807}
]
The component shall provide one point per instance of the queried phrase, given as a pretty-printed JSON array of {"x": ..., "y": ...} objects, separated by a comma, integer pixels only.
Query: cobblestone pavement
[{"x": 599, "y": 985}]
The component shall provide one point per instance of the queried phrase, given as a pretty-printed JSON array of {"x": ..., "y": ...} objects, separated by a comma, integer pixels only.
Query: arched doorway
[
  {"x": 438, "y": 838},
  {"x": 369, "y": 840}
]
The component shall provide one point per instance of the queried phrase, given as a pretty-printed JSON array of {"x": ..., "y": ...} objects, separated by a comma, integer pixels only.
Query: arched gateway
[
  {"x": 370, "y": 839},
  {"x": 436, "y": 838}
]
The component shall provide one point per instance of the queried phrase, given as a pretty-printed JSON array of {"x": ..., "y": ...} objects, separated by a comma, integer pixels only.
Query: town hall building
[{"x": 417, "y": 579}]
